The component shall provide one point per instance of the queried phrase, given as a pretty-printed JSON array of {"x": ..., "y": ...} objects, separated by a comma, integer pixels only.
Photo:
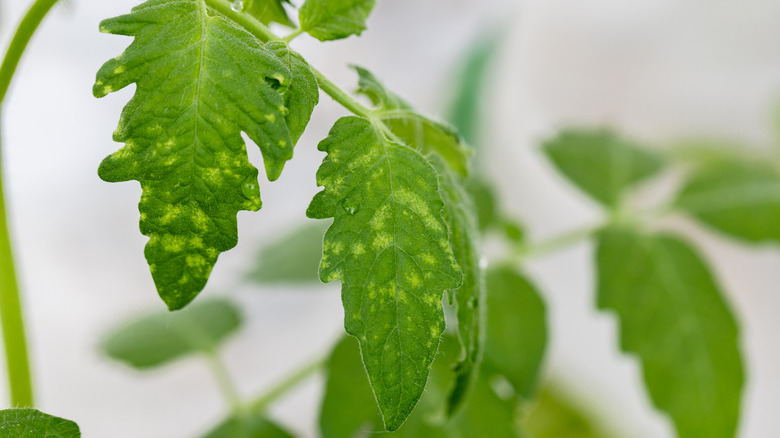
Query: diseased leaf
[
  {"x": 293, "y": 258},
  {"x": 553, "y": 415},
  {"x": 470, "y": 297},
  {"x": 421, "y": 133},
  {"x": 268, "y": 10},
  {"x": 516, "y": 330},
  {"x": 162, "y": 337},
  {"x": 200, "y": 82},
  {"x": 349, "y": 410},
  {"x": 739, "y": 198},
  {"x": 601, "y": 163},
  {"x": 334, "y": 19},
  {"x": 389, "y": 247},
  {"x": 672, "y": 315},
  {"x": 302, "y": 95},
  {"x": 30, "y": 423},
  {"x": 251, "y": 426}
]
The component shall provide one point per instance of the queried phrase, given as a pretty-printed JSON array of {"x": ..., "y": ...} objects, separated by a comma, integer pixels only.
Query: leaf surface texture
[
  {"x": 30, "y": 423},
  {"x": 388, "y": 245},
  {"x": 200, "y": 82}
]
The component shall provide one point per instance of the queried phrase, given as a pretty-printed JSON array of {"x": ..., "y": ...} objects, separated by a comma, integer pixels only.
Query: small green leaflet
[
  {"x": 200, "y": 82},
  {"x": 516, "y": 330},
  {"x": 162, "y": 337},
  {"x": 348, "y": 409},
  {"x": 672, "y": 315},
  {"x": 739, "y": 198},
  {"x": 389, "y": 247},
  {"x": 419, "y": 132},
  {"x": 601, "y": 163},
  {"x": 293, "y": 258},
  {"x": 30, "y": 423},
  {"x": 334, "y": 19},
  {"x": 464, "y": 239},
  {"x": 251, "y": 426},
  {"x": 268, "y": 10}
]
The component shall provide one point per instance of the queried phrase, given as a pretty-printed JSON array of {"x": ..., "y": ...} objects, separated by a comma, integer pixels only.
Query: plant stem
[
  {"x": 261, "y": 403},
  {"x": 293, "y": 35},
  {"x": 225, "y": 382},
  {"x": 261, "y": 32},
  {"x": 11, "y": 315},
  {"x": 558, "y": 242}
]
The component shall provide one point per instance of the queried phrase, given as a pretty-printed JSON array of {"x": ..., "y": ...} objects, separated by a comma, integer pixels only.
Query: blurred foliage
[
  {"x": 292, "y": 258},
  {"x": 161, "y": 337}
]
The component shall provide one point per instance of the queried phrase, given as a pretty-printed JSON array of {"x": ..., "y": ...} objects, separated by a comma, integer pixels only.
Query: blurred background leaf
[
  {"x": 161, "y": 337},
  {"x": 601, "y": 163},
  {"x": 292, "y": 258}
]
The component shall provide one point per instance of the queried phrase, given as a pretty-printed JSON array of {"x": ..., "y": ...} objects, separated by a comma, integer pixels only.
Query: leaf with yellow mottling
[
  {"x": 389, "y": 247},
  {"x": 200, "y": 82}
]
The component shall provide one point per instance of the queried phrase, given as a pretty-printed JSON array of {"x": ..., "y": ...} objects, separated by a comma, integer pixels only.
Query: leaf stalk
[{"x": 11, "y": 314}]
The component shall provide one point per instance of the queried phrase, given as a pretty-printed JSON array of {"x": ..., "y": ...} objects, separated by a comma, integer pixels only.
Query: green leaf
[
  {"x": 468, "y": 103},
  {"x": 268, "y": 10},
  {"x": 470, "y": 298},
  {"x": 302, "y": 95},
  {"x": 334, "y": 19},
  {"x": 601, "y": 163},
  {"x": 30, "y": 423},
  {"x": 293, "y": 258},
  {"x": 672, "y": 315},
  {"x": 516, "y": 330},
  {"x": 251, "y": 426},
  {"x": 348, "y": 409},
  {"x": 200, "y": 82},
  {"x": 553, "y": 415},
  {"x": 161, "y": 337},
  {"x": 739, "y": 198},
  {"x": 484, "y": 201},
  {"x": 389, "y": 247},
  {"x": 421, "y": 133}
]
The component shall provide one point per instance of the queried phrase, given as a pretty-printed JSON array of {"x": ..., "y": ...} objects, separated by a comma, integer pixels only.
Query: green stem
[
  {"x": 558, "y": 242},
  {"x": 11, "y": 314},
  {"x": 261, "y": 403},
  {"x": 226, "y": 385},
  {"x": 261, "y": 32},
  {"x": 293, "y": 35}
]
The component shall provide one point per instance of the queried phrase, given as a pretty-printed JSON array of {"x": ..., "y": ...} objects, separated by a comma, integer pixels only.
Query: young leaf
[
  {"x": 389, "y": 247},
  {"x": 251, "y": 426},
  {"x": 464, "y": 239},
  {"x": 30, "y": 423},
  {"x": 161, "y": 337},
  {"x": 516, "y": 330},
  {"x": 421, "y": 133},
  {"x": 268, "y": 10},
  {"x": 601, "y": 163},
  {"x": 334, "y": 19},
  {"x": 672, "y": 315},
  {"x": 293, "y": 258},
  {"x": 200, "y": 82},
  {"x": 739, "y": 198}
]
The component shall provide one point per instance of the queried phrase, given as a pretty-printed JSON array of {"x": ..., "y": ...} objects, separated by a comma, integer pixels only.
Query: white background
[{"x": 659, "y": 70}]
